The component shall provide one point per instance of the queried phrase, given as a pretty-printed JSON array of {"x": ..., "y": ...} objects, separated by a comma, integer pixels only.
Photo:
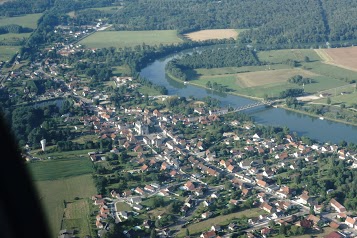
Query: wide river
[{"x": 321, "y": 130}]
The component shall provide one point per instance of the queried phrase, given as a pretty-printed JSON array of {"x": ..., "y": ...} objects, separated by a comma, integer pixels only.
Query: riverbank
[{"x": 314, "y": 115}]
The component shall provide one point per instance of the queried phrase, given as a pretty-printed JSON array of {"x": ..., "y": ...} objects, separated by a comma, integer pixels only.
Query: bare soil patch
[
  {"x": 341, "y": 57},
  {"x": 260, "y": 78},
  {"x": 212, "y": 34}
]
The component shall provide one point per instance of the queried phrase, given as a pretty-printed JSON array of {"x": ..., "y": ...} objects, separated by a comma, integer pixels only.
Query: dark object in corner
[{"x": 21, "y": 214}]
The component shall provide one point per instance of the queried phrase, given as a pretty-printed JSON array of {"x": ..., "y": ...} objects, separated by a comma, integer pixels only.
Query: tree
[
  {"x": 271, "y": 223},
  {"x": 328, "y": 101},
  {"x": 187, "y": 232},
  {"x": 153, "y": 233},
  {"x": 282, "y": 229}
]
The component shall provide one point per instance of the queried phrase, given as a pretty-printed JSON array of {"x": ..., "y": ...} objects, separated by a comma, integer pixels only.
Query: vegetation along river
[{"x": 321, "y": 130}]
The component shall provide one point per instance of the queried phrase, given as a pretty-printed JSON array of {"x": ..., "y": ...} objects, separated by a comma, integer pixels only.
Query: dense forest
[
  {"x": 20, "y": 7},
  {"x": 270, "y": 22},
  {"x": 212, "y": 58}
]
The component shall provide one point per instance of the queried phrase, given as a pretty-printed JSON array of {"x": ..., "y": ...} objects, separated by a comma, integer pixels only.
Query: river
[{"x": 321, "y": 130}]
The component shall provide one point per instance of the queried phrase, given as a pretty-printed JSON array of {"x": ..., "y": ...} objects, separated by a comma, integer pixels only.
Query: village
[
  {"x": 188, "y": 168},
  {"x": 200, "y": 178}
]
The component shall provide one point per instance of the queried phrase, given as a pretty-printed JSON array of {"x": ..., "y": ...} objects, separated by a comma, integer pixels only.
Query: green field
[
  {"x": 122, "y": 206},
  {"x": 7, "y": 51},
  {"x": 109, "y": 10},
  {"x": 219, "y": 220},
  {"x": 29, "y": 20},
  {"x": 121, "y": 39},
  {"x": 53, "y": 193},
  {"x": 60, "y": 168},
  {"x": 325, "y": 76}
]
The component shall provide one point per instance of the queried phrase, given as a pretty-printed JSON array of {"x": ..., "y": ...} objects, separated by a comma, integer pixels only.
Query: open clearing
[
  {"x": 259, "y": 78},
  {"x": 213, "y": 34},
  {"x": 341, "y": 57},
  {"x": 29, "y": 20},
  {"x": 121, "y": 39},
  {"x": 53, "y": 193}
]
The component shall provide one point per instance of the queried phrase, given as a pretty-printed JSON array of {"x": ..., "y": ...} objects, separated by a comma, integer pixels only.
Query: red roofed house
[
  {"x": 189, "y": 186},
  {"x": 334, "y": 234},
  {"x": 339, "y": 208},
  {"x": 208, "y": 234},
  {"x": 262, "y": 183},
  {"x": 351, "y": 222}
]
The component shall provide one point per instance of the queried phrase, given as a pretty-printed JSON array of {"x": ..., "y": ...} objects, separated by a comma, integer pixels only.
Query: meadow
[
  {"x": 7, "y": 51},
  {"x": 59, "y": 168},
  {"x": 29, "y": 20},
  {"x": 121, "y": 39}
]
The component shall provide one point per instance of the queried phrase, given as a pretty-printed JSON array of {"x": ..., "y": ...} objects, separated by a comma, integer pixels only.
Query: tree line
[{"x": 231, "y": 56}]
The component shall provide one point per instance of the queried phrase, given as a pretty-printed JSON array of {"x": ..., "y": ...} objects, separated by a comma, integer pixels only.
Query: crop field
[
  {"x": 7, "y": 51},
  {"x": 121, "y": 39},
  {"x": 213, "y": 34},
  {"x": 53, "y": 194},
  {"x": 341, "y": 57},
  {"x": 29, "y": 20},
  {"x": 260, "y": 78}
]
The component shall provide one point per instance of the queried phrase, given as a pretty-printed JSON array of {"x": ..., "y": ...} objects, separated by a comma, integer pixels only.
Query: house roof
[{"x": 334, "y": 234}]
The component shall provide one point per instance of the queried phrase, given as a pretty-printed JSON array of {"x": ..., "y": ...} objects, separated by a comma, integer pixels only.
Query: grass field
[
  {"x": 121, "y": 39},
  {"x": 59, "y": 168},
  {"x": 219, "y": 220},
  {"x": 254, "y": 79},
  {"x": 109, "y": 10},
  {"x": 213, "y": 34},
  {"x": 52, "y": 195},
  {"x": 341, "y": 57},
  {"x": 7, "y": 51},
  {"x": 13, "y": 37},
  {"x": 122, "y": 206},
  {"x": 279, "y": 56},
  {"x": 271, "y": 79},
  {"x": 29, "y": 20}
]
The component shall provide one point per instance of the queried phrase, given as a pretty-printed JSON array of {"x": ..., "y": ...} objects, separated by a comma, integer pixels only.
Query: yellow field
[
  {"x": 260, "y": 78},
  {"x": 213, "y": 34},
  {"x": 341, "y": 57}
]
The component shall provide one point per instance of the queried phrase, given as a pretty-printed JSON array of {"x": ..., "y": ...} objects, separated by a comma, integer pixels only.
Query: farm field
[
  {"x": 341, "y": 57},
  {"x": 256, "y": 81},
  {"x": 7, "y": 51},
  {"x": 219, "y": 220},
  {"x": 120, "y": 39},
  {"x": 29, "y": 20},
  {"x": 213, "y": 34},
  {"x": 52, "y": 194}
]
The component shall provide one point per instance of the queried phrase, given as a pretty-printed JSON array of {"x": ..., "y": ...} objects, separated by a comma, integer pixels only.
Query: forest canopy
[{"x": 270, "y": 22}]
